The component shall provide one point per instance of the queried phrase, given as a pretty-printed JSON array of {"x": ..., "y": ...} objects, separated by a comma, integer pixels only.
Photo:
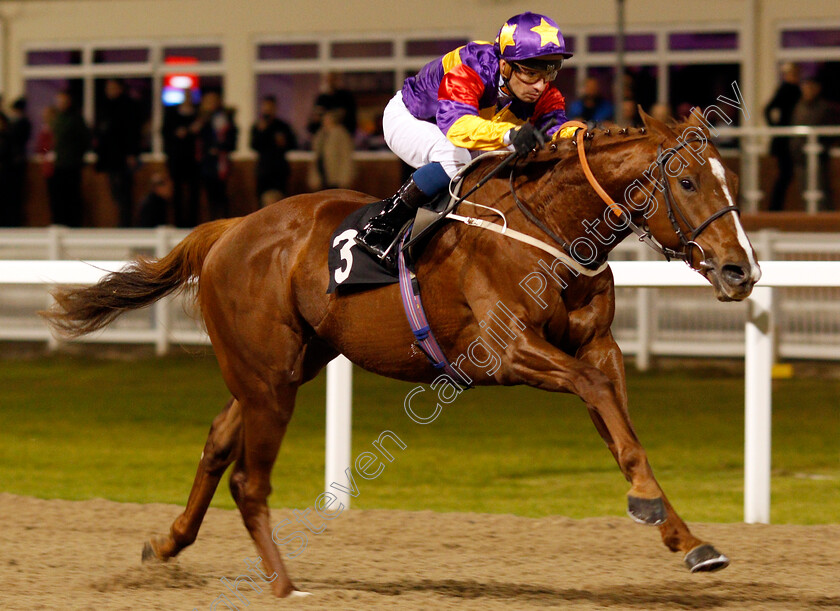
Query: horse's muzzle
[{"x": 732, "y": 281}]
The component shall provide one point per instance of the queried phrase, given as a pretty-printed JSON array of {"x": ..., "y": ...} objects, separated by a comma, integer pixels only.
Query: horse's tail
[{"x": 78, "y": 311}]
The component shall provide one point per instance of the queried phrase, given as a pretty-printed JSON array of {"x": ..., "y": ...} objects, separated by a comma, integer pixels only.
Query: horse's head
[{"x": 687, "y": 198}]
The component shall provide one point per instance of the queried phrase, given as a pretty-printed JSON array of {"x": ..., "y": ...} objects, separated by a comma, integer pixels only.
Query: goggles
[{"x": 530, "y": 76}]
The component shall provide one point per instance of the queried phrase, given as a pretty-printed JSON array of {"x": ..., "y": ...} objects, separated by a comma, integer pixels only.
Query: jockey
[{"x": 480, "y": 97}]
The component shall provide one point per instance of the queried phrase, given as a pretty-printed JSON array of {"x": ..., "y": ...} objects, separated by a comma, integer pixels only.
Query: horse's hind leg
[
  {"x": 220, "y": 450},
  {"x": 263, "y": 427}
]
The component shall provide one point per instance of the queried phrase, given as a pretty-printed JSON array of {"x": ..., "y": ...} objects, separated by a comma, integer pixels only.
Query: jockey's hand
[{"x": 526, "y": 138}]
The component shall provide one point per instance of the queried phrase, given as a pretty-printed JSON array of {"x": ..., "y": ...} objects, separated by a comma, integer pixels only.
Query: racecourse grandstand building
[{"x": 678, "y": 54}]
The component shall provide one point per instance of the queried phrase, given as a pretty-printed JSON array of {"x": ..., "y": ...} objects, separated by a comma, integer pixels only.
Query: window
[
  {"x": 121, "y": 56},
  {"x": 702, "y": 41},
  {"x": 54, "y": 57},
  {"x": 815, "y": 49},
  {"x": 139, "y": 90},
  {"x": 383, "y": 48},
  {"x": 295, "y": 94},
  {"x": 296, "y": 72},
  {"x": 40, "y": 95},
  {"x": 700, "y": 85},
  {"x": 570, "y": 43},
  {"x": 566, "y": 82},
  {"x": 606, "y": 43},
  {"x": 662, "y": 64},
  {"x": 201, "y": 53},
  {"x": 290, "y": 51},
  {"x": 811, "y": 38},
  {"x": 85, "y": 69}
]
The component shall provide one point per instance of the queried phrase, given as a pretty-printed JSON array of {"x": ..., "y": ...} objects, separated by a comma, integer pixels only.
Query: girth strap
[{"x": 413, "y": 306}]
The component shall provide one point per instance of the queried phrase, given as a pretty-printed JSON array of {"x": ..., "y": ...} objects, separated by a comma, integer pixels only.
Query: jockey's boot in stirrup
[{"x": 378, "y": 237}]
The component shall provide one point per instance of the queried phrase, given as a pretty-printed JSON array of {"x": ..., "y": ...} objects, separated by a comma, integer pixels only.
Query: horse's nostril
[{"x": 733, "y": 274}]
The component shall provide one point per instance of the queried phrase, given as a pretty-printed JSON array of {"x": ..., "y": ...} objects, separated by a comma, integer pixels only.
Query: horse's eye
[{"x": 687, "y": 184}]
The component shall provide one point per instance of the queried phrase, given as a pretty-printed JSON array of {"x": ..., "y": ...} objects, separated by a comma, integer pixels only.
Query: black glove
[{"x": 526, "y": 138}]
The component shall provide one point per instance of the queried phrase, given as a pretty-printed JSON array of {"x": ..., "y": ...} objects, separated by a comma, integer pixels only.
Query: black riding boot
[{"x": 379, "y": 235}]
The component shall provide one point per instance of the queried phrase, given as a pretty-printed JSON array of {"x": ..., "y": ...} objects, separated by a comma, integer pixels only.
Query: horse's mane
[{"x": 598, "y": 140}]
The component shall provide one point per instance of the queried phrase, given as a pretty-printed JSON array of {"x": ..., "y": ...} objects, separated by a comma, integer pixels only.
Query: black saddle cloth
[{"x": 351, "y": 266}]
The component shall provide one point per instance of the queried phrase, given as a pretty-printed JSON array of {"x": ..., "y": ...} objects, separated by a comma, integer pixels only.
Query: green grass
[{"x": 78, "y": 428}]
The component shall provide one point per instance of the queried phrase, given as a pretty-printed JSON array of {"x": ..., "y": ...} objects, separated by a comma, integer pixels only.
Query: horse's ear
[
  {"x": 695, "y": 121},
  {"x": 655, "y": 126}
]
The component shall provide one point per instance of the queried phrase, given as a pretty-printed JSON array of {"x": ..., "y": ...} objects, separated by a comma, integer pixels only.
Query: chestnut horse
[{"x": 262, "y": 283}]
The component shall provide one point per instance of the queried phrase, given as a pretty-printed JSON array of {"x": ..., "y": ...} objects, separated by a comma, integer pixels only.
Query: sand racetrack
[{"x": 86, "y": 555}]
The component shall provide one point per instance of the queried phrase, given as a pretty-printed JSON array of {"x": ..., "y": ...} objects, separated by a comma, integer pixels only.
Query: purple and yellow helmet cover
[{"x": 529, "y": 36}]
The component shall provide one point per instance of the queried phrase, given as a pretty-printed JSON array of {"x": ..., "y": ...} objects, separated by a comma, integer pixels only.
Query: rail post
[
  {"x": 339, "y": 426},
  {"x": 55, "y": 252},
  {"x": 758, "y": 406},
  {"x": 812, "y": 192},
  {"x": 644, "y": 318},
  {"x": 162, "y": 318}
]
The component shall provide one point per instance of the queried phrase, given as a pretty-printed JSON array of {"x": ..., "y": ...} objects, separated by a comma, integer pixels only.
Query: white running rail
[
  {"x": 649, "y": 322},
  {"x": 639, "y": 274}
]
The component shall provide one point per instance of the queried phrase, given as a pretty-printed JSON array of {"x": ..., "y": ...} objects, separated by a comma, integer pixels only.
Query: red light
[{"x": 181, "y": 80}]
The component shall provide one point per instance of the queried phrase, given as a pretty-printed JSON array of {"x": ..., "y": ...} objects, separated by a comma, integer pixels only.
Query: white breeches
[{"x": 419, "y": 142}]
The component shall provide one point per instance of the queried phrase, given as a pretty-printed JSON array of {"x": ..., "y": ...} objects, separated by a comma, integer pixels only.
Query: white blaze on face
[{"x": 743, "y": 240}]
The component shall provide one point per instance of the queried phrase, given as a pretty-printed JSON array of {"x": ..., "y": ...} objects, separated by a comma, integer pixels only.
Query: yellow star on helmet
[
  {"x": 506, "y": 36},
  {"x": 548, "y": 33}
]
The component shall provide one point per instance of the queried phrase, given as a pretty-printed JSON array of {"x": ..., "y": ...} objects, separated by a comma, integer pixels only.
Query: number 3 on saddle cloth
[{"x": 352, "y": 268}]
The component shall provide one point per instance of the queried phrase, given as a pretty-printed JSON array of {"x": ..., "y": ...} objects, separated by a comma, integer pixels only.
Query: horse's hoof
[
  {"x": 646, "y": 511},
  {"x": 149, "y": 554},
  {"x": 705, "y": 558}
]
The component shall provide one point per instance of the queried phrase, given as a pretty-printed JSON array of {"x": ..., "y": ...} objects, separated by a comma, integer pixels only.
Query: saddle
[{"x": 352, "y": 268}]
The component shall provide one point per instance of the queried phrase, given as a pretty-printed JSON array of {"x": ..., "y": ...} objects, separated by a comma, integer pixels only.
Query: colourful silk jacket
[{"x": 461, "y": 93}]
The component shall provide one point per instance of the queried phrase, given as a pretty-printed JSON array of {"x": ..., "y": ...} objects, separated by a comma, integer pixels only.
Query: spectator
[
  {"x": 71, "y": 141},
  {"x": 591, "y": 106},
  {"x": 217, "y": 134},
  {"x": 20, "y": 130},
  {"x": 333, "y": 147},
  {"x": 662, "y": 112},
  {"x": 334, "y": 97},
  {"x": 779, "y": 112},
  {"x": 153, "y": 210},
  {"x": 117, "y": 137},
  {"x": 369, "y": 135},
  {"x": 684, "y": 112},
  {"x": 813, "y": 109},
  {"x": 179, "y": 145},
  {"x": 630, "y": 113},
  {"x": 8, "y": 211},
  {"x": 45, "y": 144},
  {"x": 271, "y": 138},
  {"x": 270, "y": 197}
]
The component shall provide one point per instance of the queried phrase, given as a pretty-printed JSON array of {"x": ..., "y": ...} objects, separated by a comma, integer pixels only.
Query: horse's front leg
[
  {"x": 538, "y": 363},
  {"x": 603, "y": 353}
]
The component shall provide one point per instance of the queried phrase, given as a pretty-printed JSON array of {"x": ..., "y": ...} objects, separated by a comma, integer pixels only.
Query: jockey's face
[{"x": 526, "y": 84}]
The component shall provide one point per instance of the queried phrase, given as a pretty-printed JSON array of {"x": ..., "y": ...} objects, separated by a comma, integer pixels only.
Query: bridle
[
  {"x": 687, "y": 238},
  {"x": 688, "y": 241}
]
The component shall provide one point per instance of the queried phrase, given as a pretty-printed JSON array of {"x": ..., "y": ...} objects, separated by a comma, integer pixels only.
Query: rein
[{"x": 644, "y": 234}]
